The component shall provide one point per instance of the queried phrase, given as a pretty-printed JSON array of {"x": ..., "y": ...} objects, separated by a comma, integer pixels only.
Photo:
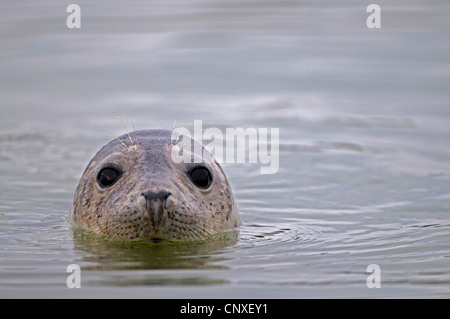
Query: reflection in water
[
  {"x": 120, "y": 255},
  {"x": 144, "y": 263}
]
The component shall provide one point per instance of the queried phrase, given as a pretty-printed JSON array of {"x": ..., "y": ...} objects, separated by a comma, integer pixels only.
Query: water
[{"x": 364, "y": 119}]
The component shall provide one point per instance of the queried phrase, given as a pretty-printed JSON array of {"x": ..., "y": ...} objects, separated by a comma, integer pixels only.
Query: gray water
[{"x": 364, "y": 121}]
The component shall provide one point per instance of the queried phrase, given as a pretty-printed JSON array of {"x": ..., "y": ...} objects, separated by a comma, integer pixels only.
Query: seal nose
[
  {"x": 155, "y": 204},
  {"x": 152, "y": 196}
]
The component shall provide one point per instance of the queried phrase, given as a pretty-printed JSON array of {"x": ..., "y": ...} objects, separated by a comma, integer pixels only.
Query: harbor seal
[{"x": 132, "y": 189}]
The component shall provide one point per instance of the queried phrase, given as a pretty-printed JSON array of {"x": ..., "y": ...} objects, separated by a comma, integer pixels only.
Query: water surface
[{"x": 364, "y": 121}]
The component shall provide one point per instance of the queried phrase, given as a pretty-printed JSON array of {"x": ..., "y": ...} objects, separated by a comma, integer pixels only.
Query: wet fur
[{"x": 120, "y": 213}]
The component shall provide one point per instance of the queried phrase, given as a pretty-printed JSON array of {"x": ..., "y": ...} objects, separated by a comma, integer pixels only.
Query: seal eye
[
  {"x": 201, "y": 177},
  {"x": 108, "y": 176}
]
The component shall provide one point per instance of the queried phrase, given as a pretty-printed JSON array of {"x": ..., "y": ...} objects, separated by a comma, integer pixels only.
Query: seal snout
[
  {"x": 155, "y": 204},
  {"x": 153, "y": 196}
]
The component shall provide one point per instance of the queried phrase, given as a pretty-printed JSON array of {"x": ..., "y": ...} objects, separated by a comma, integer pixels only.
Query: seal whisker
[
  {"x": 222, "y": 224},
  {"x": 134, "y": 130},
  {"x": 174, "y": 123},
  {"x": 187, "y": 140},
  {"x": 189, "y": 230},
  {"x": 211, "y": 230},
  {"x": 203, "y": 230},
  {"x": 122, "y": 143},
  {"x": 108, "y": 227},
  {"x": 206, "y": 228},
  {"x": 112, "y": 233},
  {"x": 105, "y": 224},
  {"x": 87, "y": 226},
  {"x": 184, "y": 124},
  {"x": 126, "y": 130},
  {"x": 100, "y": 228},
  {"x": 220, "y": 212},
  {"x": 78, "y": 225},
  {"x": 117, "y": 234},
  {"x": 193, "y": 233}
]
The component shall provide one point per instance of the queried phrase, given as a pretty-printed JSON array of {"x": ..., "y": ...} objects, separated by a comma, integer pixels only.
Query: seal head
[{"x": 133, "y": 190}]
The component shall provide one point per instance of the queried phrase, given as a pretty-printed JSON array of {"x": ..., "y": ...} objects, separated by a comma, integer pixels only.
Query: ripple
[{"x": 272, "y": 236}]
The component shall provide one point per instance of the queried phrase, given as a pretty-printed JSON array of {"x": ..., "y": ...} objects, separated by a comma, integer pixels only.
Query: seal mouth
[{"x": 157, "y": 240}]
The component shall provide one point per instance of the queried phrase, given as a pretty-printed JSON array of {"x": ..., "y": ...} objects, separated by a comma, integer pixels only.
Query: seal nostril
[
  {"x": 161, "y": 195},
  {"x": 155, "y": 204}
]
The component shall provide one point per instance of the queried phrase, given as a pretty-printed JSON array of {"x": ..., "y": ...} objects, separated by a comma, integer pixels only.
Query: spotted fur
[{"x": 121, "y": 212}]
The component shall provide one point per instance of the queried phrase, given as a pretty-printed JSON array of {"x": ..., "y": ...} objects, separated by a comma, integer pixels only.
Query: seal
[{"x": 132, "y": 189}]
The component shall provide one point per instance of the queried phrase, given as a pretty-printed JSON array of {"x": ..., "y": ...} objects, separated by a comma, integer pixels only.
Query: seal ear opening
[{"x": 108, "y": 176}]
